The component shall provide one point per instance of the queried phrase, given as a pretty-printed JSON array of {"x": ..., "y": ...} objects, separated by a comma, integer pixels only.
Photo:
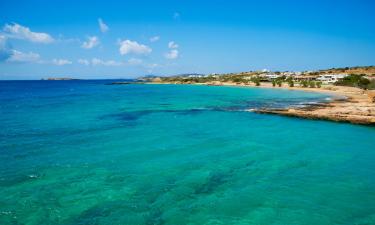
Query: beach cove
[
  {"x": 348, "y": 104},
  {"x": 82, "y": 152}
]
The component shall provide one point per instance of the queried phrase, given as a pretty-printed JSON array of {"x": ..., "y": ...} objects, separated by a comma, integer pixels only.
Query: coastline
[{"x": 351, "y": 105}]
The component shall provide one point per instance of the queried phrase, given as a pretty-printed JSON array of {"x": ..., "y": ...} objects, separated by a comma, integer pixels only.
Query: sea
[{"x": 85, "y": 152}]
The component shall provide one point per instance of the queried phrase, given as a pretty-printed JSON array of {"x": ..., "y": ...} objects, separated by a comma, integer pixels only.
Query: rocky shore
[
  {"x": 352, "y": 105},
  {"x": 341, "y": 111}
]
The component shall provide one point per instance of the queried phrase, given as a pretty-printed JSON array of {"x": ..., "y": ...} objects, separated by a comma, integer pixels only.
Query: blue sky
[{"x": 133, "y": 38}]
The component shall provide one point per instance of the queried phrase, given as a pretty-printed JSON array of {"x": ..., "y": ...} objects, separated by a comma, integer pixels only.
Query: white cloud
[
  {"x": 91, "y": 42},
  {"x": 10, "y": 55},
  {"x": 84, "y": 62},
  {"x": 128, "y": 47},
  {"x": 153, "y": 65},
  {"x": 171, "y": 44},
  {"x": 99, "y": 62},
  {"x": 5, "y": 49},
  {"x": 172, "y": 54},
  {"x": 102, "y": 26},
  {"x": 62, "y": 39},
  {"x": 20, "y": 32},
  {"x": 134, "y": 61},
  {"x": 61, "y": 62},
  {"x": 21, "y": 57},
  {"x": 155, "y": 38},
  {"x": 3, "y": 40}
]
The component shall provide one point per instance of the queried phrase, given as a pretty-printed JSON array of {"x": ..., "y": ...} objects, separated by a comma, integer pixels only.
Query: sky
[{"x": 126, "y": 39}]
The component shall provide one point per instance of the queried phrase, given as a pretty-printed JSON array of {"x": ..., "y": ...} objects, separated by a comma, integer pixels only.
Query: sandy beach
[{"x": 349, "y": 104}]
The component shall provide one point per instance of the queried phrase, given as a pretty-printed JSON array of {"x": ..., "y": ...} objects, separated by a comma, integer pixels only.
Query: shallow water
[{"x": 81, "y": 152}]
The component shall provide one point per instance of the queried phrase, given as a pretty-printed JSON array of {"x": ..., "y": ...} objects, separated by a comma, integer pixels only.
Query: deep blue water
[{"x": 82, "y": 152}]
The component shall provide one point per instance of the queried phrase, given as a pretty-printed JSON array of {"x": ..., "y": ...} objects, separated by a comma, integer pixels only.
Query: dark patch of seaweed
[
  {"x": 214, "y": 180},
  {"x": 121, "y": 212}
]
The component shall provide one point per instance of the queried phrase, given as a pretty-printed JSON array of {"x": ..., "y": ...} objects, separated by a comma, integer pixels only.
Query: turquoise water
[{"x": 81, "y": 152}]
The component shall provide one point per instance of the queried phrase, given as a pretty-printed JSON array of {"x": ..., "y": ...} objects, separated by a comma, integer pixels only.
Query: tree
[
  {"x": 237, "y": 80},
  {"x": 273, "y": 83},
  {"x": 363, "y": 83},
  {"x": 354, "y": 80},
  {"x": 305, "y": 83},
  {"x": 318, "y": 84},
  {"x": 256, "y": 80},
  {"x": 312, "y": 84},
  {"x": 290, "y": 81},
  {"x": 371, "y": 85},
  {"x": 279, "y": 82}
]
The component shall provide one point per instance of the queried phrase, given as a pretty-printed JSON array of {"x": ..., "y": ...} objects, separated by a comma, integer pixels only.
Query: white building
[
  {"x": 331, "y": 78},
  {"x": 287, "y": 73},
  {"x": 196, "y": 75},
  {"x": 271, "y": 76},
  {"x": 291, "y": 73}
]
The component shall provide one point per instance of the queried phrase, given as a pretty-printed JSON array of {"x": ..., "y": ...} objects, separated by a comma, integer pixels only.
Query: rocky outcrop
[
  {"x": 357, "y": 112},
  {"x": 371, "y": 96}
]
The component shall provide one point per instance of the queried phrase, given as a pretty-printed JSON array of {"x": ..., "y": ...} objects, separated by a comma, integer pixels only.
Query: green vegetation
[
  {"x": 279, "y": 82},
  {"x": 354, "y": 80},
  {"x": 290, "y": 81},
  {"x": 305, "y": 83},
  {"x": 371, "y": 85},
  {"x": 239, "y": 80},
  {"x": 256, "y": 80},
  {"x": 367, "y": 70}
]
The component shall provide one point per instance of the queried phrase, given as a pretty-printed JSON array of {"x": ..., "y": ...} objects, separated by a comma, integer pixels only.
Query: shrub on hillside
[
  {"x": 305, "y": 83},
  {"x": 290, "y": 81},
  {"x": 256, "y": 80},
  {"x": 355, "y": 80},
  {"x": 279, "y": 82},
  {"x": 371, "y": 85}
]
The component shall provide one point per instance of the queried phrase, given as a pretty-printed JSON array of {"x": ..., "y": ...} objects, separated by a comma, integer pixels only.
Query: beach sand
[{"x": 349, "y": 104}]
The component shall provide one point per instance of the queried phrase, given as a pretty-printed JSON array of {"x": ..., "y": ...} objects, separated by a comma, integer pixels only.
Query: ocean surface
[{"x": 82, "y": 152}]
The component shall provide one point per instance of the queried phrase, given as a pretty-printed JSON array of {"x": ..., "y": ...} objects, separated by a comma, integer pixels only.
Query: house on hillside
[
  {"x": 299, "y": 78},
  {"x": 271, "y": 76},
  {"x": 331, "y": 78},
  {"x": 194, "y": 75}
]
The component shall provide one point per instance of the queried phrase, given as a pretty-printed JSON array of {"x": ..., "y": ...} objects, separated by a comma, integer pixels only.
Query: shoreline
[{"x": 350, "y": 104}]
